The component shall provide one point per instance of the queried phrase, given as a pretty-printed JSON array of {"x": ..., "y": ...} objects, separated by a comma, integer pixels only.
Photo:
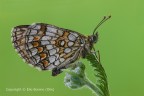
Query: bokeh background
[{"x": 121, "y": 44}]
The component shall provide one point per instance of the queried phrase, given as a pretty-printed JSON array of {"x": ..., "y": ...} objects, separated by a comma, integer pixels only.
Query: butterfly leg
[
  {"x": 98, "y": 55},
  {"x": 57, "y": 71},
  {"x": 93, "y": 51}
]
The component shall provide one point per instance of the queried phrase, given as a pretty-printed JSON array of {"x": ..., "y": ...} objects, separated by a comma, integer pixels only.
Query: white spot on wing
[
  {"x": 51, "y": 66},
  {"x": 72, "y": 37},
  {"x": 52, "y": 59},
  {"x": 60, "y": 32},
  {"x": 57, "y": 56},
  {"x": 50, "y": 34},
  {"x": 49, "y": 47},
  {"x": 57, "y": 62},
  {"x": 50, "y": 29},
  {"x": 62, "y": 59},
  {"x": 67, "y": 50},
  {"x": 46, "y": 38},
  {"x": 33, "y": 32},
  {"x": 70, "y": 43},
  {"x": 62, "y": 43},
  {"x": 37, "y": 57},
  {"x": 35, "y": 26},
  {"x": 52, "y": 51},
  {"x": 75, "y": 34},
  {"x": 33, "y": 51},
  {"x": 29, "y": 45},
  {"x": 45, "y": 42},
  {"x": 30, "y": 38}
]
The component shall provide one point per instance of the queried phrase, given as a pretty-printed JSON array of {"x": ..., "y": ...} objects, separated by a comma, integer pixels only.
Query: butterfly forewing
[{"x": 47, "y": 46}]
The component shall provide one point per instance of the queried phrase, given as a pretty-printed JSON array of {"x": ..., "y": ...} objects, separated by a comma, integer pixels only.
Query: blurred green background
[{"x": 121, "y": 44}]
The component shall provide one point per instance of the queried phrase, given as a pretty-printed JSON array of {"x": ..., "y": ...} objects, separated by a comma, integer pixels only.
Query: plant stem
[{"x": 93, "y": 87}]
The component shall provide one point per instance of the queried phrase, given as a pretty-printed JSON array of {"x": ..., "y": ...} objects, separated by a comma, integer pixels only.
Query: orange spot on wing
[
  {"x": 43, "y": 55},
  {"x": 40, "y": 49},
  {"x": 35, "y": 44},
  {"x": 65, "y": 34},
  {"x": 45, "y": 63},
  {"x": 36, "y": 38}
]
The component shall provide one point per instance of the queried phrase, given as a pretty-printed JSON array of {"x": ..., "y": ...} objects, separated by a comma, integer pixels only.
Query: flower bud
[{"x": 75, "y": 78}]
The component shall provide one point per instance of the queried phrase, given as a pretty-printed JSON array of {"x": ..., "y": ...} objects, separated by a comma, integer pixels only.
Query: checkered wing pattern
[{"x": 47, "y": 46}]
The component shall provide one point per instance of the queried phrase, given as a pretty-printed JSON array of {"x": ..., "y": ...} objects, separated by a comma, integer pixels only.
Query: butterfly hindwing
[{"x": 46, "y": 46}]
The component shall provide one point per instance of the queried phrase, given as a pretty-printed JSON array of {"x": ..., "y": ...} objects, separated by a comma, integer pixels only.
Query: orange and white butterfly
[{"x": 50, "y": 47}]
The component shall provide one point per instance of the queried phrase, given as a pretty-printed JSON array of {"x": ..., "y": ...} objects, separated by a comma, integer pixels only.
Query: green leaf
[{"x": 99, "y": 73}]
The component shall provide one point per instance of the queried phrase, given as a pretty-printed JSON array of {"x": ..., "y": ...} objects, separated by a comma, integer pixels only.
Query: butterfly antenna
[{"x": 101, "y": 22}]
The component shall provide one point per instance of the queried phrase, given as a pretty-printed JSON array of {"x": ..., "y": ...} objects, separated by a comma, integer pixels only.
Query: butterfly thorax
[{"x": 89, "y": 44}]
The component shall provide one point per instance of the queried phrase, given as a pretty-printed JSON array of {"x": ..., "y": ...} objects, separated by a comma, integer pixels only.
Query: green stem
[{"x": 93, "y": 87}]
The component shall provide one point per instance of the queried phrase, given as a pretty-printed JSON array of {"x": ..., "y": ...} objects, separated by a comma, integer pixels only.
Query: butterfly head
[{"x": 94, "y": 38}]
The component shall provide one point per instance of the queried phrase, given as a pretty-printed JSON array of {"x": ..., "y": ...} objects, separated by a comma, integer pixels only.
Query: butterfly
[{"x": 49, "y": 47}]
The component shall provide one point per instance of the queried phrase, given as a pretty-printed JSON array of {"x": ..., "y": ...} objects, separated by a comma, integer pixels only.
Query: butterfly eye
[{"x": 95, "y": 38}]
